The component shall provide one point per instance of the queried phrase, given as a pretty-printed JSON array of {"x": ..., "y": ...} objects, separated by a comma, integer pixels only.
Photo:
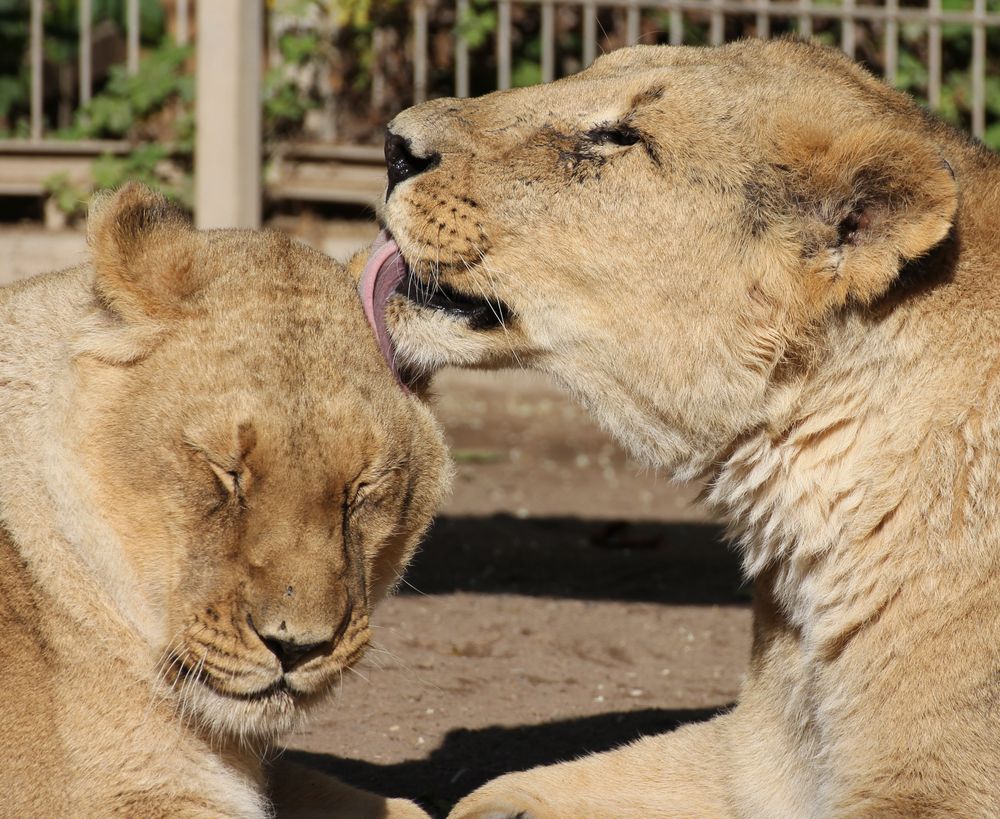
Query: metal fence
[
  {"x": 806, "y": 15},
  {"x": 86, "y": 50},
  {"x": 430, "y": 39},
  {"x": 887, "y": 15}
]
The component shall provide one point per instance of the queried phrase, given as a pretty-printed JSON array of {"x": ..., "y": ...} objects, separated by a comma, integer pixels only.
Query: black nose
[
  {"x": 400, "y": 161},
  {"x": 291, "y": 654}
]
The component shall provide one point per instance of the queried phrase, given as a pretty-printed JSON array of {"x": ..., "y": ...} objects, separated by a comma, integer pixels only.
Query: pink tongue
[{"x": 383, "y": 273}]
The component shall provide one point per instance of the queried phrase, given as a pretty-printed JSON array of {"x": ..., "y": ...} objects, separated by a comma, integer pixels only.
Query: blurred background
[{"x": 567, "y": 600}]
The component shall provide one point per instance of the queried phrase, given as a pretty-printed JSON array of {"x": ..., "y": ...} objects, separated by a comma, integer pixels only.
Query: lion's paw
[
  {"x": 404, "y": 809},
  {"x": 502, "y": 800}
]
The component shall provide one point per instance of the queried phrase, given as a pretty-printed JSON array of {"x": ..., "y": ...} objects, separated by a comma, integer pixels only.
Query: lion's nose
[
  {"x": 400, "y": 161},
  {"x": 291, "y": 654},
  {"x": 295, "y": 649}
]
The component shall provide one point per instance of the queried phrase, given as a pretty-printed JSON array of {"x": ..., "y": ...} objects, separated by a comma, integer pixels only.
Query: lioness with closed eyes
[
  {"x": 208, "y": 478},
  {"x": 757, "y": 266}
]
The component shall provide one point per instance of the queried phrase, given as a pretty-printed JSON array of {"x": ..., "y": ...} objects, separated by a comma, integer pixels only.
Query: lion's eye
[
  {"x": 619, "y": 134},
  {"x": 231, "y": 479}
]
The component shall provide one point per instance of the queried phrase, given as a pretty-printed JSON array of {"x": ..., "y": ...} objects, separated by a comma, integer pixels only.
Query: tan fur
[
  {"x": 200, "y": 446},
  {"x": 788, "y": 287}
]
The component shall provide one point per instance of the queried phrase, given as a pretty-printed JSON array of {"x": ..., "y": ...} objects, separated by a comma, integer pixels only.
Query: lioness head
[
  {"x": 262, "y": 475},
  {"x": 659, "y": 232}
]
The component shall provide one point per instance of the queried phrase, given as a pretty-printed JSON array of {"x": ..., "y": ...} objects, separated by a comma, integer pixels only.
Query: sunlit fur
[
  {"x": 787, "y": 288},
  {"x": 200, "y": 446}
]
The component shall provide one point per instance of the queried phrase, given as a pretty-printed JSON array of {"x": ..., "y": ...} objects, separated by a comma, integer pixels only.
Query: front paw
[
  {"x": 404, "y": 809},
  {"x": 503, "y": 798}
]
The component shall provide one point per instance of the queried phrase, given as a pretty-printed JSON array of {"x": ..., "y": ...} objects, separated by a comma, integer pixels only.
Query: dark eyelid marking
[
  {"x": 624, "y": 133},
  {"x": 618, "y": 133}
]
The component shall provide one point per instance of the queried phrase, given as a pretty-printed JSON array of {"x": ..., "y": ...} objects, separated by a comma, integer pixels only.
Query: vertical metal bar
[
  {"x": 676, "y": 25},
  {"x": 272, "y": 34},
  {"x": 633, "y": 20},
  {"x": 763, "y": 19},
  {"x": 548, "y": 41},
  {"x": 979, "y": 69},
  {"x": 461, "y": 49},
  {"x": 805, "y": 18},
  {"x": 891, "y": 40},
  {"x": 419, "y": 51},
  {"x": 132, "y": 26},
  {"x": 86, "y": 51},
  {"x": 589, "y": 12},
  {"x": 848, "y": 30},
  {"x": 378, "y": 94},
  {"x": 36, "y": 69},
  {"x": 934, "y": 55},
  {"x": 717, "y": 28},
  {"x": 503, "y": 44},
  {"x": 182, "y": 28}
]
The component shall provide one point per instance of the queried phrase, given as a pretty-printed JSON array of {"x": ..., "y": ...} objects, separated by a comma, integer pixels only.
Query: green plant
[
  {"x": 69, "y": 197},
  {"x": 285, "y": 102},
  {"x": 154, "y": 109},
  {"x": 129, "y": 99}
]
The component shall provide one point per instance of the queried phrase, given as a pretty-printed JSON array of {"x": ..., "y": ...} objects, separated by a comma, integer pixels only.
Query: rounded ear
[
  {"x": 869, "y": 199},
  {"x": 143, "y": 251}
]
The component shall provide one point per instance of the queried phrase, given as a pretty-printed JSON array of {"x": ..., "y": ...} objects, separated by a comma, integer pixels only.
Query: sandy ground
[{"x": 566, "y": 600}]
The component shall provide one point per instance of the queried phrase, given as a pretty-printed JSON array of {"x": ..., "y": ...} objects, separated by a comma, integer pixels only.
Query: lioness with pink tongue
[{"x": 761, "y": 268}]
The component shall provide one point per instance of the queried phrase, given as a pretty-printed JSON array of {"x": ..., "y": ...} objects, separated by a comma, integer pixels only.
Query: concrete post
[{"x": 228, "y": 110}]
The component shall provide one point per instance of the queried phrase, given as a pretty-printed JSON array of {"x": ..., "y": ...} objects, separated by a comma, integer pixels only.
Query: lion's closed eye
[
  {"x": 233, "y": 479},
  {"x": 620, "y": 134},
  {"x": 375, "y": 489}
]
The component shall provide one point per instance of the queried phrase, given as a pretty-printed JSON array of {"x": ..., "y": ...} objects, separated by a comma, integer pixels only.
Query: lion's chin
[
  {"x": 426, "y": 339},
  {"x": 261, "y": 716}
]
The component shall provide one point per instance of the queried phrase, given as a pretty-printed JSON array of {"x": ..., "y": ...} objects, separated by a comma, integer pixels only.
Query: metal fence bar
[
  {"x": 86, "y": 51},
  {"x": 848, "y": 30},
  {"x": 589, "y": 12},
  {"x": 717, "y": 26},
  {"x": 805, "y": 18},
  {"x": 132, "y": 26},
  {"x": 273, "y": 34},
  {"x": 36, "y": 69},
  {"x": 461, "y": 50},
  {"x": 763, "y": 22},
  {"x": 182, "y": 28},
  {"x": 934, "y": 55},
  {"x": 419, "y": 51},
  {"x": 891, "y": 40},
  {"x": 377, "y": 97},
  {"x": 632, "y": 22},
  {"x": 503, "y": 44},
  {"x": 979, "y": 70},
  {"x": 784, "y": 8},
  {"x": 548, "y": 42},
  {"x": 676, "y": 25}
]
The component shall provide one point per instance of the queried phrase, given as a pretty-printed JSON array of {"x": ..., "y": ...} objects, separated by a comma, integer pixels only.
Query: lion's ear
[
  {"x": 143, "y": 250},
  {"x": 870, "y": 199}
]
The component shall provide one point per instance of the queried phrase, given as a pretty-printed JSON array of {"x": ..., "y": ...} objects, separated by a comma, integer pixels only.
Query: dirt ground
[{"x": 565, "y": 601}]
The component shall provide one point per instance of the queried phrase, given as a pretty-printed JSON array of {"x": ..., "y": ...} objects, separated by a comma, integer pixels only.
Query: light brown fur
[
  {"x": 786, "y": 285},
  {"x": 200, "y": 446}
]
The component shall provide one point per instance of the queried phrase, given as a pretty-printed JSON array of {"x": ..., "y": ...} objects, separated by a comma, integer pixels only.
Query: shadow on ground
[
  {"x": 467, "y": 759},
  {"x": 678, "y": 563}
]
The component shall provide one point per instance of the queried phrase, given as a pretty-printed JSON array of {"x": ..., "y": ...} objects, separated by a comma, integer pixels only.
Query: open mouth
[{"x": 386, "y": 274}]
